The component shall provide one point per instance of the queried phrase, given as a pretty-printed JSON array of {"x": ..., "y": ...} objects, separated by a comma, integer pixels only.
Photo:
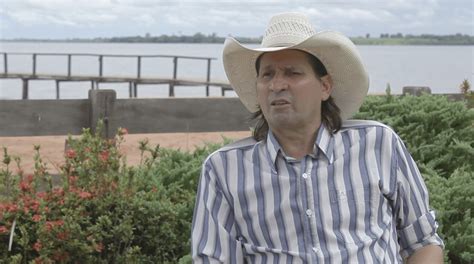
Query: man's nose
[{"x": 278, "y": 83}]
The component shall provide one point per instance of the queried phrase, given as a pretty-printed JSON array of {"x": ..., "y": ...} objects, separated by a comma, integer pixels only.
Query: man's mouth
[{"x": 279, "y": 102}]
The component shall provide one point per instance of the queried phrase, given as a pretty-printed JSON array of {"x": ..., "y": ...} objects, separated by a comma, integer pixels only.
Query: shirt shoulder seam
[
  {"x": 356, "y": 123},
  {"x": 242, "y": 144}
]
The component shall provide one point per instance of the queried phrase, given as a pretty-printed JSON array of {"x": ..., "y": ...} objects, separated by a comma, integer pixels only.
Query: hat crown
[{"x": 287, "y": 29}]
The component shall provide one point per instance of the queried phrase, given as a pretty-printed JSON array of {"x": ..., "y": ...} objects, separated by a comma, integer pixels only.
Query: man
[{"x": 310, "y": 186}]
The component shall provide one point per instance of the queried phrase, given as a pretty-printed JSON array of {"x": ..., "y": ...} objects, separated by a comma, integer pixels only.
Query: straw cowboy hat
[{"x": 294, "y": 31}]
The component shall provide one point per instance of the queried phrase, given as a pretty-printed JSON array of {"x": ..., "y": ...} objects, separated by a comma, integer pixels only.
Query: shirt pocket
[{"x": 354, "y": 214}]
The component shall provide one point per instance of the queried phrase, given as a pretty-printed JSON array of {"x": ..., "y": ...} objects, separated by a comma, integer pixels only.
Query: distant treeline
[
  {"x": 383, "y": 39},
  {"x": 424, "y": 39}
]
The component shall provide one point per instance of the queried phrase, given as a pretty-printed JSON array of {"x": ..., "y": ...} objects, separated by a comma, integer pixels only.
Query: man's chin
[{"x": 282, "y": 121}]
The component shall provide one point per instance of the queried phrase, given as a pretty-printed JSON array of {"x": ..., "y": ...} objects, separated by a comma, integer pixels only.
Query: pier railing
[{"x": 133, "y": 81}]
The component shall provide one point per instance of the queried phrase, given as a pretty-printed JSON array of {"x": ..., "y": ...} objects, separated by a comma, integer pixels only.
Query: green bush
[
  {"x": 440, "y": 136},
  {"x": 437, "y": 132},
  {"x": 102, "y": 211}
]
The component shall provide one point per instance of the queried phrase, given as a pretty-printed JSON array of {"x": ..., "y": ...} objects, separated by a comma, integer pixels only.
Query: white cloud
[
  {"x": 146, "y": 19},
  {"x": 240, "y": 18}
]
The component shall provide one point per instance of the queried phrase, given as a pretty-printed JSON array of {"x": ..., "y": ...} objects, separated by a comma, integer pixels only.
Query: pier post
[
  {"x": 102, "y": 108},
  {"x": 139, "y": 66},
  {"x": 175, "y": 74},
  {"x": 69, "y": 65},
  {"x": 34, "y": 64},
  {"x": 132, "y": 89},
  {"x": 101, "y": 58},
  {"x": 208, "y": 78},
  {"x": 25, "y": 89},
  {"x": 5, "y": 63},
  {"x": 57, "y": 89}
]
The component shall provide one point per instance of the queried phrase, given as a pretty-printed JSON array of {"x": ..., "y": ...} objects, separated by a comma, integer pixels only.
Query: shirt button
[
  {"x": 316, "y": 250},
  {"x": 309, "y": 212},
  {"x": 305, "y": 175}
]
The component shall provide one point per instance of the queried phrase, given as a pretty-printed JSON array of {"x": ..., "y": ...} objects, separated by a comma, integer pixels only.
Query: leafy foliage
[
  {"x": 102, "y": 211},
  {"x": 440, "y": 137},
  {"x": 437, "y": 132}
]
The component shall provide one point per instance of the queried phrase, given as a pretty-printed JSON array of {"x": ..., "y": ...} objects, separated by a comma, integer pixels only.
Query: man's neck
[{"x": 296, "y": 143}]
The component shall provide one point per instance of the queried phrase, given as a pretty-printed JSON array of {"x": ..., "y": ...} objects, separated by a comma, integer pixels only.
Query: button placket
[{"x": 311, "y": 165}]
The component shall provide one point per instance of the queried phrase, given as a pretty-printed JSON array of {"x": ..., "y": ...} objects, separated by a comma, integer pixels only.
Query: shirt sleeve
[
  {"x": 213, "y": 238},
  {"x": 416, "y": 223}
]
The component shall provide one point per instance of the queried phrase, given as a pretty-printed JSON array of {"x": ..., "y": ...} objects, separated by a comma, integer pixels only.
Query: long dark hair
[{"x": 330, "y": 112}]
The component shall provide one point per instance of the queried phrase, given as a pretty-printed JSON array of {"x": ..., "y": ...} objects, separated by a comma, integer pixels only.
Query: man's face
[{"x": 288, "y": 90}]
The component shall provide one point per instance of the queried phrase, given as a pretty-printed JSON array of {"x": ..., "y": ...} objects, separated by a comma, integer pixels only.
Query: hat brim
[{"x": 338, "y": 54}]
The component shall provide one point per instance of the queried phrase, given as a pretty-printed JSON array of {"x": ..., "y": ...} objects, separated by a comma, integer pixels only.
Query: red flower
[
  {"x": 37, "y": 246},
  {"x": 123, "y": 131},
  {"x": 104, "y": 156},
  {"x": 36, "y": 218},
  {"x": 34, "y": 205},
  {"x": 70, "y": 153},
  {"x": 60, "y": 256},
  {"x": 51, "y": 224},
  {"x": 12, "y": 208},
  {"x": 25, "y": 186},
  {"x": 41, "y": 195},
  {"x": 62, "y": 235},
  {"x": 73, "y": 179},
  {"x": 99, "y": 247},
  {"x": 3, "y": 229},
  {"x": 29, "y": 178},
  {"x": 58, "y": 191},
  {"x": 85, "y": 195}
]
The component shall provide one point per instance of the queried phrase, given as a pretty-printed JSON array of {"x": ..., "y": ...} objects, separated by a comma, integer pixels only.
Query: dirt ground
[{"x": 52, "y": 147}]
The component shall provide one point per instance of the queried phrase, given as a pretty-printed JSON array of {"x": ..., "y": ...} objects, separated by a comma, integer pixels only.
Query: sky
[{"x": 62, "y": 19}]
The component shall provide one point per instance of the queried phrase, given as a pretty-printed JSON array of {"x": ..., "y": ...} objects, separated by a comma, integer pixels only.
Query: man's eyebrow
[{"x": 266, "y": 67}]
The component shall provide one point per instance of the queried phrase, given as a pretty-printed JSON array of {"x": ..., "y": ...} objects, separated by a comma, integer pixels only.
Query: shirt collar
[{"x": 324, "y": 143}]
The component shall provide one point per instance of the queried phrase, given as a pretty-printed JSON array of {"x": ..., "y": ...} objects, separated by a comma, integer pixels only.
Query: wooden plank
[
  {"x": 146, "y": 80},
  {"x": 43, "y": 117}
]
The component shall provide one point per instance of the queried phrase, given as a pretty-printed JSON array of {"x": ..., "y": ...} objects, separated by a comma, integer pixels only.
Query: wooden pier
[{"x": 95, "y": 80}]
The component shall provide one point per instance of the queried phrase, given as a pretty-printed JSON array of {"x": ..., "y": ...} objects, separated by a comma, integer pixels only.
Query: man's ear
[{"x": 326, "y": 87}]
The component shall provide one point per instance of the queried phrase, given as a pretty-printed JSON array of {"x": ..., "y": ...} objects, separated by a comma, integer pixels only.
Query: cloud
[
  {"x": 145, "y": 19},
  {"x": 241, "y": 18}
]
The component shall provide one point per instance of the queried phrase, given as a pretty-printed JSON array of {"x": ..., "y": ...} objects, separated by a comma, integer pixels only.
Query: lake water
[{"x": 442, "y": 68}]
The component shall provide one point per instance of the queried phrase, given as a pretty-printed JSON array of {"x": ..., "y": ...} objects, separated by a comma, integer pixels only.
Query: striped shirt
[{"x": 357, "y": 198}]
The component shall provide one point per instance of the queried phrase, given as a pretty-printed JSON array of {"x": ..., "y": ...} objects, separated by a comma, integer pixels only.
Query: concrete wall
[
  {"x": 62, "y": 117},
  {"x": 43, "y": 117}
]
